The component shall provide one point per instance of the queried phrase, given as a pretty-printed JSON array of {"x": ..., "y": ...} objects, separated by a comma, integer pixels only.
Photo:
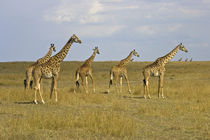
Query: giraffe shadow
[
  {"x": 27, "y": 102},
  {"x": 133, "y": 97},
  {"x": 104, "y": 92}
]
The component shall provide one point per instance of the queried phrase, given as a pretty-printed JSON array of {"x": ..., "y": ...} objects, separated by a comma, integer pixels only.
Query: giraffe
[
  {"x": 186, "y": 60},
  {"x": 84, "y": 71},
  {"x": 191, "y": 60},
  {"x": 180, "y": 59},
  {"x": 157, "y": 68},
  {"x": 120, "y": 70},
  {"x": 40, "y": 61},
  {"x": 51, "y": 69}
]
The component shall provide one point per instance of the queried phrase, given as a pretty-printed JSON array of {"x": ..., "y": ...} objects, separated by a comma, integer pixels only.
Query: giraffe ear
[
  {"x": 180, "y": 43},
  {"x": 134, "y": 50}
]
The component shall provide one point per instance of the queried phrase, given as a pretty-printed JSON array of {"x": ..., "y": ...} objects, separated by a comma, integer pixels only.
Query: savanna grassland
[{"x": 184, "y": 114}]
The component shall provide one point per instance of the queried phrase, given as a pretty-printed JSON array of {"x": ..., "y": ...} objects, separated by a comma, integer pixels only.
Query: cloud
[
  {"x": 98, "y": 11},
  {"x": 155, "y": 29},
  {"x": 82, "y": 11},
  {"x": 199, "y": 45},
  {"x": 86, "y": 11},
  {"x": 187, "y": 12},
  {"x": 95, "y": 7},
  {"x": 206, "y": 1},
  {"x": 98, "y": 31},
  {"x": 174, "y": 27},
  {"x": 146, "y": 29},
  {"x": 113, "y": 16},
  {"x": 171, "y": 10},
  {"x": 91, "y": 17}
]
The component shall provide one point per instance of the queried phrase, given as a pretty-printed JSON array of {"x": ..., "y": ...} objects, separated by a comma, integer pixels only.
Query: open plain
[{"x": 184, "y": 114}]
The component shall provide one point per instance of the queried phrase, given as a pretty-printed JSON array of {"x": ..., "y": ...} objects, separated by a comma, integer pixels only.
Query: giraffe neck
[
  {"x": 62, "y": 53},
  {"x": 125, "y": 61},
  {"x": 91, "y": 58},
  {"x": 165, "y": 59},
  {"x": 45, "y": 58}
]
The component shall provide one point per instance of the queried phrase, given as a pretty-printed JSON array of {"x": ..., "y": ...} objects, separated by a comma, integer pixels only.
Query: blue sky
[{"x": 153, "y": 28}]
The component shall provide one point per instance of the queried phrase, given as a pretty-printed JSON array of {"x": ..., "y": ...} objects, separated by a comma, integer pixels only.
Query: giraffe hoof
[
  {"x": 106, "y": 92},
  {"x": 145, "y": 97},
  {"x": 35, "y": 101},
  {"x": 43, "y": 101}
]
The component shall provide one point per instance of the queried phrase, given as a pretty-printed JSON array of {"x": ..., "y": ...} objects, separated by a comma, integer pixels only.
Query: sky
[{"x": 151, "y": 27}]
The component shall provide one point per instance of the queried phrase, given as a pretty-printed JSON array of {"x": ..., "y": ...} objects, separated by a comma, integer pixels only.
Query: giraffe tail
[
  {"x": 24, "y": 82},
  {"x": 144, "y": 81},
  {"x": 31, "y": 84},
  {"x": 77, "y": 79},
  {"x": 111, "y": 78}
]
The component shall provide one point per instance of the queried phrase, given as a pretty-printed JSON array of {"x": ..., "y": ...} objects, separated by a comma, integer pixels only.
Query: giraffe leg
[
  {"x": 76, "y": 81},
  {"x": 27, "y": 81},
  {"x": 116, "y": 82},
  {"x": 121, "y": 84},
  {"x": 147, "y": 94},
  {"x": 147, "y": 88},
  {"x": 36, "y": 87},
  {"x": 55, "y": 87},
  {"x": 93, "y": 83},
  {"x": 128, "y": 83},
  {"x": 86, "y": 83},
  {"x": 52, "y": 88},
  {"x": 83, "y": 79},
  {"x": 40, "y": 92},
  {"x": 146, "y": 75},
  {"x": 160, "y": 86},
  {"x": 144, "y": 84},
  {"x": 35, "y": 100},
  {"x": 111, "y": 80}
]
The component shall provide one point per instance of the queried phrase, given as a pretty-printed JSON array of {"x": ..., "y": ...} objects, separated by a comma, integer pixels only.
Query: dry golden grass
[{"x": 184, "y": 114}]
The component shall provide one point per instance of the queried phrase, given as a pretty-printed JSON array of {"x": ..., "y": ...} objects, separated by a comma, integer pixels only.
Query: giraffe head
[
  {"x": 182, "y": 48},
  {"x": 135, "y": 53},
  {"x": 76, "y": 39},
  {"x": 96, "y": 50},
  {"x": 52, "y": 47}
]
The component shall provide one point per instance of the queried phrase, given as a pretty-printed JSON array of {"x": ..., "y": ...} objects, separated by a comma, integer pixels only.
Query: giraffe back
[{"x": 155, "y": 68}]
